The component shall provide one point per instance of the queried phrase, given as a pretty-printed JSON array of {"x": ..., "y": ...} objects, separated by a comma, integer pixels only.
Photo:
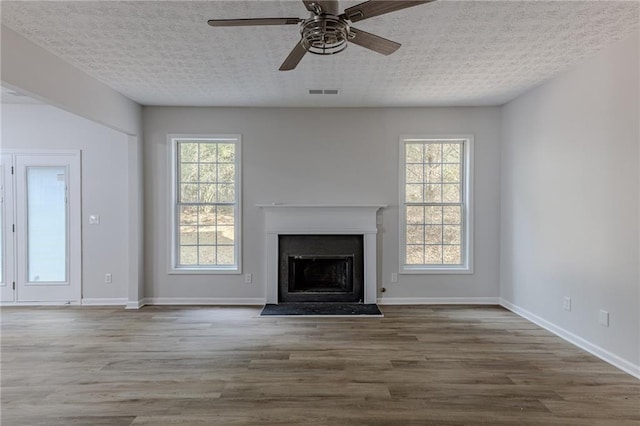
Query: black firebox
[{"x": 320, "y": 268}]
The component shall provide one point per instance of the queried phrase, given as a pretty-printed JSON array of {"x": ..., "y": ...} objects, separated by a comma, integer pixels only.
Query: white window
[
  {"x": 435, "y": 204},
  {"x": 206, "y": 203}
]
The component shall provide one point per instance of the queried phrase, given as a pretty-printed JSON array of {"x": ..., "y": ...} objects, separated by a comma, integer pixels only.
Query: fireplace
[
  {"x": 356, "y": 221},
  {"x": 320, "y": 268}
]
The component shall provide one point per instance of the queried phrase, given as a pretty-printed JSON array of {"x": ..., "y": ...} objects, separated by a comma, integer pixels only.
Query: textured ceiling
[{"x": 453, "y": 52}]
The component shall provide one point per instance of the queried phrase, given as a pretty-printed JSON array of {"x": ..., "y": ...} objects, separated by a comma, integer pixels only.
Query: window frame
[
  {"x": 173, "y": 140},
  {"x": 467, "y": 207}
]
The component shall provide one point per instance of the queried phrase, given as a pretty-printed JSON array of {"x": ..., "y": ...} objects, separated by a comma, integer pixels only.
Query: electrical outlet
[
  {"x": 566, "y": 304},
  {"x": 107, "y": 278},
  {"x": 604, "y": 318},
  {"x": 394, "y": 277},
  {"x": 94, "y": 219},
  {"x": 248, "y": 278}
]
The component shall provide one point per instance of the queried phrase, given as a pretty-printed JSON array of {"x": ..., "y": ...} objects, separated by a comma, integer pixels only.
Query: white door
[
  {"x": 7, "y": 236},
  {"x": 47, "y": 227}
]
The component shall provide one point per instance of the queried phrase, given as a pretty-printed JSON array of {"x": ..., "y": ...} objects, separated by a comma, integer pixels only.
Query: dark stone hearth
[{"x": 321, "y": 309}]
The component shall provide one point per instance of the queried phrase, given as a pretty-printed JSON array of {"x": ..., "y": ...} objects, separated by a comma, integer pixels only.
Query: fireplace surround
[
  {"x": 320, "y": 268},
  {"x": 321, "y": 220}
]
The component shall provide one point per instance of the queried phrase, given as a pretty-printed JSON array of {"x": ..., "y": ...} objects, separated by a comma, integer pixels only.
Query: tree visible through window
[
  {"x": 207, "y": 204},
  {"x": 434, "y": 204}
]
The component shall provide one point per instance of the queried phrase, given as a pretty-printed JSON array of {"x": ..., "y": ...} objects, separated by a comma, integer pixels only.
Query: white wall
[
  {"x": 34, "y": 71},
  {"x": 321, "y": 156},
  {"x": 570, "y": 193},
  {"x": 104, "y": 187}
]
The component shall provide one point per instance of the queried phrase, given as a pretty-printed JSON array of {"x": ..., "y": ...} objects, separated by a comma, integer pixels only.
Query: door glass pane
[
  {"x": 2, "y": 225},
  {"x": 46, "y": 224}
]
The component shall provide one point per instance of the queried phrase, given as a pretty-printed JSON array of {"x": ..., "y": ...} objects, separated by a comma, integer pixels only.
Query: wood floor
[{"x": 227, "y": 366}]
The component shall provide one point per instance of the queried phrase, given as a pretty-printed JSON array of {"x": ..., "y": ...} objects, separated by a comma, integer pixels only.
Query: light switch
[{"x": 94, "y": 219}]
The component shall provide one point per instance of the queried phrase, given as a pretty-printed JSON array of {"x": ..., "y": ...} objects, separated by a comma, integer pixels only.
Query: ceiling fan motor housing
[{"x": 324, "y": 34}]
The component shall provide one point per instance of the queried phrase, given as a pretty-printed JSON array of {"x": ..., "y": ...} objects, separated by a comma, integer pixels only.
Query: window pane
[
  {"x": 451, "y": 152},
  {"x": 451, "y": 193},
  {"x": 433, "y": 234},
  {"x": 188, "y": 255},
  {"x": 413, "y": 153},
  {"x": 433, "y": 173},
  {"x": 414, "y": 193},
  {"x": 189, "y": 193},
  {"x": 208, "y": 173},
  {"x": 415, "y": 214},
  {"x": 226, "y": 234},
  {"x": 452, "y": 255},
  {"x": 433, "y": 193},
  {"x": 188, "y": 235},
  {"x": 226, "y": 173},
  {"x": 433, "y": 255},
  {"x": 433, "y": 214},
  {"x": 226, "y": 193},
  {"x": 226, "y": 153},
  {"x": 415, "y": 234},
  {"x": 188, "y": 215},
  {"x": 225, "y": 255},
  {"x": 208, "y": 152},
  {"x": 452, "y": 214},
  {"x": 225, "y": 215},
  {"x": 451, "y": 234},
  {"x": 207, "y": 193},
  {"x": 188, "y": 152},
  {"x": 207, "y": 235},
  {"x": 207, "y": 255},
  {"x": 415, "y": 173},
  {"x": 451, "y": 173},
  {"x": 432, "y": 153},
  {"x": 207, "y": 215},
  {"x": 46, "y": 224},
  {"x": 415, "y": 255},
  {"x": 188, "y": 172}
]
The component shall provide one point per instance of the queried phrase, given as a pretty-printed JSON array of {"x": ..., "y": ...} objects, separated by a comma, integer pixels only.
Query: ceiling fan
[{"x": 326, "y": 32}]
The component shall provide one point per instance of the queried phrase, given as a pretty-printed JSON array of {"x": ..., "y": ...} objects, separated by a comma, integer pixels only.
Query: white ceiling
[{"x": 453, "y": 52}]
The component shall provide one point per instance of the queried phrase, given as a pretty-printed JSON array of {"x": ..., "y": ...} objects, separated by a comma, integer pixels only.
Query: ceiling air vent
[{"x": 324, "y": 91}]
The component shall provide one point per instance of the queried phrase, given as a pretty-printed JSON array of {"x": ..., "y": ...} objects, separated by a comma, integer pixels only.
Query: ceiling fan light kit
[{"x": 327, "y": 33}]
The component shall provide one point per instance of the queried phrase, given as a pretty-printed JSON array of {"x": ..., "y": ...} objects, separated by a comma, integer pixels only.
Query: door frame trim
[{"x": 75, "y": 212}]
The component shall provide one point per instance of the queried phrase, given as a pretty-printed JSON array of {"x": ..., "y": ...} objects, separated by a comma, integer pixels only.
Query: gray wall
[
  {"x": 570, "y": 192},
  {"x": 104, "y": 187},
  {"x": 321, "y": 156}
]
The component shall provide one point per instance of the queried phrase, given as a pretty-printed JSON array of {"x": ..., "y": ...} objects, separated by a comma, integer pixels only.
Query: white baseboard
[
  {"x": 58, "y": 303},
  {"x": 135, "y": 304},
  {"x": 595, "y": 350},
  {"x": 113, "y": 301},
  {"x": 439, "y": 300},
  {"x": 238, "y": 301}
]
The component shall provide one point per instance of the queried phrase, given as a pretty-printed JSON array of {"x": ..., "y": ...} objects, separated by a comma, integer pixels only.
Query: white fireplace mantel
[{"x": 318, "y": 219}]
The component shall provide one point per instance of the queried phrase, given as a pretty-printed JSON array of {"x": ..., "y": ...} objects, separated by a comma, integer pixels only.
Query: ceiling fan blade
[
  {"x": 256, "y": 21},
  {"x": 327, "y": 6},
  {"x": 373, "y": 42},
  {"x": 294, "y": 57},
  {"x": 372, "y": 8}
]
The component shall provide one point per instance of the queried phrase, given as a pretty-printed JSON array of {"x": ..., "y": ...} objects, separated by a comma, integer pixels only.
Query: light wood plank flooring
[{"x": 418, "y": 365}]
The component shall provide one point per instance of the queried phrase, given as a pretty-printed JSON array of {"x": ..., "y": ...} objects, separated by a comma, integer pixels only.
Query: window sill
[
  {"x": 203, "y": 271},
  {"x": 463, "y": 270}
]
